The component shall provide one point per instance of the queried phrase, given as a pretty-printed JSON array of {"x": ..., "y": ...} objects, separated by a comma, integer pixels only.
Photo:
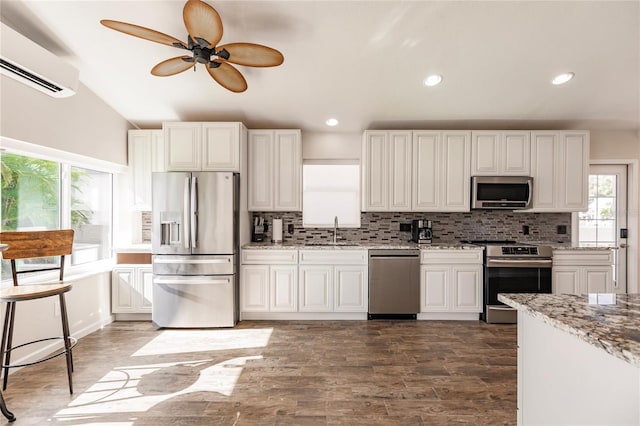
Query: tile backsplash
[
  {"x": 146, "y": 227},
  {"x": 447, "y": 227}
]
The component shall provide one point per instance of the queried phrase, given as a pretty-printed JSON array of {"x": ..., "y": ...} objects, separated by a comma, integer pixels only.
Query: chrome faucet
[{"x": 335, "y": 229}]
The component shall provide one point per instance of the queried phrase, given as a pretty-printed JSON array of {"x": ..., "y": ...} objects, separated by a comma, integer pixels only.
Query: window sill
[{"x": 72, "y": 273}]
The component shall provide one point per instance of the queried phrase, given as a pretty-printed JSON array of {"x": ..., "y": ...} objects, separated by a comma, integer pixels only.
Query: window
[
  {"x": 90, "y": 215},
  {"x": 39, "y": 194},
  {"x": 597, "y": 226},
  {"x": 331, "y": 190}
]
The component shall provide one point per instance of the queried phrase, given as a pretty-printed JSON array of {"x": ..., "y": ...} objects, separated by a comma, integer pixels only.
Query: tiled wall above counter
[{"x": 447, "y": 227}]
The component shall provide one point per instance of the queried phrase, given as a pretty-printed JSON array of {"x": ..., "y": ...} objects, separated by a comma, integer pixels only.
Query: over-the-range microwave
[{"x": 501, "y": 192}]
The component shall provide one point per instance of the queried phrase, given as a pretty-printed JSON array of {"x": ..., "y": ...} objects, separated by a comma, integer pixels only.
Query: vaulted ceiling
[{"x": 363, "y": 62}]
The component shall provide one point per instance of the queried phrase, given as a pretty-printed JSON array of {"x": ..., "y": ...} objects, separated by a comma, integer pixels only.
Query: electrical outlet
[
  {"x": 525, "y": 229},
  {"x": 561, "y": 229},
  {"x": 405, "y": 227},
  {"x": 290, "y": 228},
  {"x": 56, "y": 308}
]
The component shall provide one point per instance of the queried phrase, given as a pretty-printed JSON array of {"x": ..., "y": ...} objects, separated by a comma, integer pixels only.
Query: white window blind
[{"x": 331, "y": 190}]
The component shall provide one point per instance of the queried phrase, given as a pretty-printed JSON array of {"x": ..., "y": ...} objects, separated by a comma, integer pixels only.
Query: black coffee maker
[{"x": 421, "y": 231}]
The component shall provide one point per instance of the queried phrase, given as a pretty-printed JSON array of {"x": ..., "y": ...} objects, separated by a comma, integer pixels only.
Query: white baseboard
[
  {"x": 449, "y": 316},
  {"x": 304, "y": 316}
]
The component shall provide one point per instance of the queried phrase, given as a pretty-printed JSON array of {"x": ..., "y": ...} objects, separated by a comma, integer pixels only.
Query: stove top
[{"x": 511, "y": 248}]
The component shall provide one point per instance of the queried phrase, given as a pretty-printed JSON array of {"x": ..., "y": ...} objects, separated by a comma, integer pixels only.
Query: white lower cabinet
[
  {"x": 451, "y": 282},
  {"x": 351, "y": 287},
  {"x": 334, "y": 281},
  {"x": 316, "y": 288},
  {"x": 266, "y": 287},
  {"x": 283, "y": 285},
  {"x": 305, "y": 284},
  {"x": 329, "y": 288},
  {"x": 583, "y": 271},
  {"x": 131, "y": 288}
]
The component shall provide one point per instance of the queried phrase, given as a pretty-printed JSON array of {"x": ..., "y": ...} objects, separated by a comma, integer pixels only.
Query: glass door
[{"x": 601, "y": 225}]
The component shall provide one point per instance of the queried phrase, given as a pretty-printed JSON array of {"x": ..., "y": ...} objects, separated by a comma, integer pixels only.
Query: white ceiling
[{"x": 363, "y": 62}]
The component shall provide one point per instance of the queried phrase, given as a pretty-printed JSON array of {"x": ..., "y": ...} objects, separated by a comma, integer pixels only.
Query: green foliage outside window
[{"x": 31, "y": 191}]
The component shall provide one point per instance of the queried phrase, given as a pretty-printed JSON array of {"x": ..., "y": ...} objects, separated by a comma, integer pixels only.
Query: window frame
[{"x": 66, "y": 161}]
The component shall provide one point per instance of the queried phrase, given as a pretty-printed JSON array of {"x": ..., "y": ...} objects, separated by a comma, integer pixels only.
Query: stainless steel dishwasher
[{"x": 394, "y": 283}]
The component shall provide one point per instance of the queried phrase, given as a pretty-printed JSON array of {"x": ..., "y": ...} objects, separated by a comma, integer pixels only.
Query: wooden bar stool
[{"x": 29, "y": 245}]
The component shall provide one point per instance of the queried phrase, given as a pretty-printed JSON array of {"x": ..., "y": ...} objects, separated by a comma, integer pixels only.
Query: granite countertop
[
  {"x": 612, "y": 328},
  {"x": 343, "y": 245},
  {"x": 561, "y": 247}
]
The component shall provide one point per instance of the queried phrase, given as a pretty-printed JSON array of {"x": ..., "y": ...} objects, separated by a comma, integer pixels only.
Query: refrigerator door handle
[
  {"x": 185, "y": 213},
  {"x": 194, "y": 212},
  {"x": 192, "y": 280},
  {"x": 181, "y": 261}
]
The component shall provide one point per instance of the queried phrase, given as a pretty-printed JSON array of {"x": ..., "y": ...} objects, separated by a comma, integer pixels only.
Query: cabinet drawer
[
  {"x": 333, "y": 257},
  {"x": 439, "y": 257},
  {"x": 267, "y": 257},
  {"x": 583, "y": 257}
]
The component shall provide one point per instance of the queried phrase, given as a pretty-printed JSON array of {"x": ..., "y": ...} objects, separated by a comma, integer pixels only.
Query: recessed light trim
[
  {"x": 562, "y": 78},
  {"x": 433, "y": 80},
  {"x": 332, "y": 122}
]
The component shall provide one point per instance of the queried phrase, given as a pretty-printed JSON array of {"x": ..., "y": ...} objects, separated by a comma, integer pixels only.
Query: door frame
[{"x": 633, "y": 219}]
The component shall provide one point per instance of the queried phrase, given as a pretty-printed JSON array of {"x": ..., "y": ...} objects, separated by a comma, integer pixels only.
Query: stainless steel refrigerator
[{"x": 195, "y": 249}]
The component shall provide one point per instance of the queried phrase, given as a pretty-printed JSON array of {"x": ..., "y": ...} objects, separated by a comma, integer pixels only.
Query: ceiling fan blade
[
  {"x": 172, "y": 66},
  {"x": 142, "y": 32},
  {"x": 253, "y": 55},
  {"x": 228, "y": 77},
  {"x": 202, "y": 22}
]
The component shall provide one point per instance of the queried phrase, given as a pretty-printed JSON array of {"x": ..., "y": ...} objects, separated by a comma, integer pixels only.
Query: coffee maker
[{"x": 421, "y": 231}]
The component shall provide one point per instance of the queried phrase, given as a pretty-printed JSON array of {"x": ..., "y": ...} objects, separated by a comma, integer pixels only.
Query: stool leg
[
  {"x": 7, "y": 341},
  {"x": 67, "y": 343}
]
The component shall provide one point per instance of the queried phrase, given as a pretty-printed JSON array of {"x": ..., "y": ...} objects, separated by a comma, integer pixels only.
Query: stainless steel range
[{"x": 510, "y": 267}]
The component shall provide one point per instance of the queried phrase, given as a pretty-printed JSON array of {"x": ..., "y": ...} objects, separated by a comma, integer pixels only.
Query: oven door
[{"x": 534, "y": 276}]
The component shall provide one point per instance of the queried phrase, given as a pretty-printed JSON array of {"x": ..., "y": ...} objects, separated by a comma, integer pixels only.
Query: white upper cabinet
[
  {"x": 221, "y": 146},
  {"x": 500, "y": 153},
  {"x": 560, "y": 170},
  {"x": 146, "y": 155},
  {"x": 195, "y": 146},
  {"x": 275, "y": 170},
  {"x": 386, "y": 170},
  {"x": 441, "y": 170}
]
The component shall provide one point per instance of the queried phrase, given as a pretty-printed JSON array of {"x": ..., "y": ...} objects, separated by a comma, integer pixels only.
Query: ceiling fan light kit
[{"x": 204, "y": 28}]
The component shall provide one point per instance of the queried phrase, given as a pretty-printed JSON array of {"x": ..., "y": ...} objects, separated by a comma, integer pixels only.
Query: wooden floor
[{"x": 266, "y": 373}]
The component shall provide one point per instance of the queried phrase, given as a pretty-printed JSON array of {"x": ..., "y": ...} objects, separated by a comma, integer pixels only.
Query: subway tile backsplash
[{"x": 447, "y": 227}]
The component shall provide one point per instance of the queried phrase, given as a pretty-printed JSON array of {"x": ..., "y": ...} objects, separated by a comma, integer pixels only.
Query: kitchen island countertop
[{"x": 612, "y": 328}]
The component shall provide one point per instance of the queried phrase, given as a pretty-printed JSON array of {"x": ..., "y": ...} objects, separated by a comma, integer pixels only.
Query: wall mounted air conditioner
[{"x": 31, "y": 64}]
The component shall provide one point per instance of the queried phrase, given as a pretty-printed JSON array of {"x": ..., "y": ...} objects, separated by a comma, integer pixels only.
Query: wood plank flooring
[{"x": 279, "y": 373}]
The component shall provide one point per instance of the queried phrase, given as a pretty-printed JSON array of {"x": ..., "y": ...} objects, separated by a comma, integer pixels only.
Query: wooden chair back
[{"x": 33, "y": 244}]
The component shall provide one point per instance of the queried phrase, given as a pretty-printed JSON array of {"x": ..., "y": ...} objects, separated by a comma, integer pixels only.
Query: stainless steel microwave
[{"x": 501, "y": 192}]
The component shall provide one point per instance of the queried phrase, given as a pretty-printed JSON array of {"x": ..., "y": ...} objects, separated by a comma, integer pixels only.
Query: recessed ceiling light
[
  {"x": 332, "y": 122},
  {"x": 562, "y": 78},
  {"x": 433, "y": 80}
]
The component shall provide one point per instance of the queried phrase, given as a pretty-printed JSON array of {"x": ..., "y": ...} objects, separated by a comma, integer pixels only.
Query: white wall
[
  {"x": 88, "y": 306},
  {"x": 81, "y": 124},
  {"x": 331, "y": 146}
]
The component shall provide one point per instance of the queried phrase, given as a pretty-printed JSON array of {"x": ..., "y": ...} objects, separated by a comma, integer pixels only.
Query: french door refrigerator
[{"x": 195, "y": 249}]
